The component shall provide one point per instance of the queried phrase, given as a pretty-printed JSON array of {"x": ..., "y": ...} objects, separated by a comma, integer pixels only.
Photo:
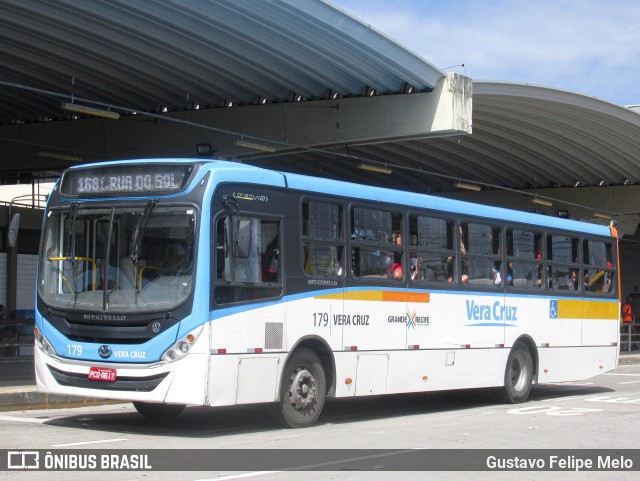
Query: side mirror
[{"x": 12, "y": 235}]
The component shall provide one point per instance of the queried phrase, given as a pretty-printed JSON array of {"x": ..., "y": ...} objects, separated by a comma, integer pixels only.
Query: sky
[{"x": 584, "y": 46}]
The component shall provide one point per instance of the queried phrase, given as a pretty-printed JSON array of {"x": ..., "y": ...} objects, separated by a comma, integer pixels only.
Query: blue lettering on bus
[{"x": 491, "y": 312}]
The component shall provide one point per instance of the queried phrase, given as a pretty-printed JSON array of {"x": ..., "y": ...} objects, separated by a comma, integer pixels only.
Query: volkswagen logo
[
  {"x": 156, "y": 327},
  {"x": 104, "y": 351}
]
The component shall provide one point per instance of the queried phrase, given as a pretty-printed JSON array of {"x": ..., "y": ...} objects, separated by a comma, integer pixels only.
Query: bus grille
[{"x": 137, "y": 332}]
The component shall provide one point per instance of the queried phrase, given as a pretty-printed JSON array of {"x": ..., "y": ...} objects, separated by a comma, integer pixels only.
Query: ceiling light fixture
[
  {"x": 375, "y": 168},
  {"x": 462, "y": 185},
  {"x": 83, "y": 109},
  {"x": 255, "y": 145},
  {"x": 58, "y": 155},
  {"x": 546, "y": 203}
]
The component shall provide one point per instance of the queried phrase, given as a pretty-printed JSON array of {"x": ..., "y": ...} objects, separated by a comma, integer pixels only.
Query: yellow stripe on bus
[
  {"x": 385, "y": 296},
  {"x": 572, "y": 309}
]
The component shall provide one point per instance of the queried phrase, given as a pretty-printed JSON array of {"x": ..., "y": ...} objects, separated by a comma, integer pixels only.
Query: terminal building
[{"x": 297, "y": 86}]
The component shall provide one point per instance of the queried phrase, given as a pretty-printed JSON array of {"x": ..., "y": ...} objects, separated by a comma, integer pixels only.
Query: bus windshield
[{"x": 126, "y": 259}]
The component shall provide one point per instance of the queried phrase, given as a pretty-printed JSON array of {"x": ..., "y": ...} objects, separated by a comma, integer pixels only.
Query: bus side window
[
  {"x": 524, "y": 262},
  {"x": 322, "y": 239},
  {"x": 564, "y": 258},
  {"x": 481, "y": 254},
  {"x": 431, "y": 241},
  {"x": 250, "y": 268},
  {"x": 598, "y": 272},
  {"x": 247, "y": 249}
]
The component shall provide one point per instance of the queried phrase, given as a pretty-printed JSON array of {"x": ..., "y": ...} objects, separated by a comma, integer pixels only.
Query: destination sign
[{"x": 126, "y": 179}]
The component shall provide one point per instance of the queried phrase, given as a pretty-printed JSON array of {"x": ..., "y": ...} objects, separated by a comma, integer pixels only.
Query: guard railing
[
  {"x": 629, "y": 336},
  {"x": 16, "y": 339}
]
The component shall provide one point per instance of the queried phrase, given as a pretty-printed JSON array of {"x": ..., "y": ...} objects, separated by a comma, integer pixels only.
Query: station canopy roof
[{"x": 184, "y": 55}]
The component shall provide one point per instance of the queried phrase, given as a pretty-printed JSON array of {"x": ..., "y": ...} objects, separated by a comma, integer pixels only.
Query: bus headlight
[
  {"x": 182, "y": 346},
  {"x": 42, "y": 343}
]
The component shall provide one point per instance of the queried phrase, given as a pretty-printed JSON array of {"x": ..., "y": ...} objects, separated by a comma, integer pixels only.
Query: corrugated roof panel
[{"x": 175, "y": 53}]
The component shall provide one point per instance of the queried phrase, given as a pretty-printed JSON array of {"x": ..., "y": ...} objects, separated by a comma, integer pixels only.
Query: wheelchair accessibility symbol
[{"x": 553, "y": 309}]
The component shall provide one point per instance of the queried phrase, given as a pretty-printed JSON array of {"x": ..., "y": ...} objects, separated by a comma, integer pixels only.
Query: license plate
[{"x": 102, "y": 374}]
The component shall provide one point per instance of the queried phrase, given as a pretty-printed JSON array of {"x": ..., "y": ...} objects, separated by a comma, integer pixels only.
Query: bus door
[{"x": 248, "y": 317}]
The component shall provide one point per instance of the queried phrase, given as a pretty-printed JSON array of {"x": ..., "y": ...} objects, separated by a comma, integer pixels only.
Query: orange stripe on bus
[
  {"x": 573, "y": 309},
  {"x": 385, "y": 296},
  {"x": 394, "y": 296}
]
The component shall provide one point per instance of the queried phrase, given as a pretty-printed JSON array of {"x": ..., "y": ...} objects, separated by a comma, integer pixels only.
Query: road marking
[
  {"x": 629, "y": 382},
  {"x": 553, "y": 410},
  {"x": 24, "y": 420},
  {"x": 115, "y": 440},
  {"x": 240, "y": 476},
  {"x": 607, "y": 399}
]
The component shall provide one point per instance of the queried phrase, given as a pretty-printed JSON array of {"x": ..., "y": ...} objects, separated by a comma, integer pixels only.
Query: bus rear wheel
[
  {"x": 518, "y": 375},
  {"x": 158, "y": 410},
  {"x": 303, "y": 390}
]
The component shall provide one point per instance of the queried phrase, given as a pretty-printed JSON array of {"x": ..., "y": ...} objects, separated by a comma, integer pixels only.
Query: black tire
[
  {"x": 518, "y": 375},
  {"x": 158, "y": 410},
  {"x": 303, "y": 390}
]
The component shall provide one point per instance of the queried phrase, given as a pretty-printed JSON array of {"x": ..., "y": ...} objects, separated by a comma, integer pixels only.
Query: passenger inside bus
[
  {"x": 465, "y": 259},
  {"x": 414, "y": 266},
  {"x": 395, "y": 270},
  {"x": 270, "y": 261},
  {"x": 450, "y": 268}
]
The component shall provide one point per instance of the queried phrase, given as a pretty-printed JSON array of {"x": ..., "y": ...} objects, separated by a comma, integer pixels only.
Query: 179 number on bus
[{"x": 320, "y": 319}]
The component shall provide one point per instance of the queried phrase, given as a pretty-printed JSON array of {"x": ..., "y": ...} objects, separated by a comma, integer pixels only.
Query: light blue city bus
[{"x": 175, "y": 282}]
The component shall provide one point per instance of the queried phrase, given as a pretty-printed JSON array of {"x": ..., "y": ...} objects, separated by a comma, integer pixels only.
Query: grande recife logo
[{"x": 411, "y": 319}]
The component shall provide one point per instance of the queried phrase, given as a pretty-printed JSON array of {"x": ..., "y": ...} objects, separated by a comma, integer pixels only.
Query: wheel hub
[
  {"x": 302, "y": 389},
  {"x": 518, "y": 374}
]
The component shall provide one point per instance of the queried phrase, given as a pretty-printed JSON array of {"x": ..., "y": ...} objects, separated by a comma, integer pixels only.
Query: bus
[{"x": 174, "y": 282}]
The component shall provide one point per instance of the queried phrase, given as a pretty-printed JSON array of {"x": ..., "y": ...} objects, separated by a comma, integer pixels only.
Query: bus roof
[
  {"x": 225, "y": 171},
  {"x": 437, "y": 203}
]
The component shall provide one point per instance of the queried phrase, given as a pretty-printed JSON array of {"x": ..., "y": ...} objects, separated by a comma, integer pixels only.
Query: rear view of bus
[{"x": 115, "y": 296}]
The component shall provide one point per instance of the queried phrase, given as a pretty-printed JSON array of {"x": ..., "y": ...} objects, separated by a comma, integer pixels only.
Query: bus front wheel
[
  {"x": 158, "y": 410},
  {"x": 518, "y": 375},
  {"x": 303, "y": 390}
]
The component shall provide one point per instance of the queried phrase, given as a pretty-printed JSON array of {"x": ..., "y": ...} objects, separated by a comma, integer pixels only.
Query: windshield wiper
[
  {"x": 105, "y": 269},
  {"x": 138, "y": 234},
  {"x": 71, "y": 247},
  {"x": 71, "y": 239}
]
